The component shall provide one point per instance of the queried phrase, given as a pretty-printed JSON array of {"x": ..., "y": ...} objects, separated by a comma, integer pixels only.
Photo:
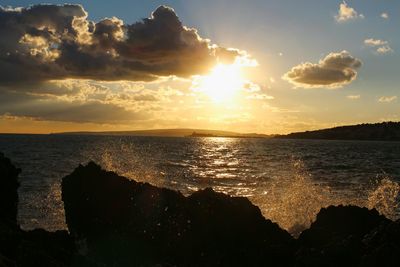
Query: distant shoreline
[
  {"x": 385, "y": 131},
  {"x": 184, "y": 132}
]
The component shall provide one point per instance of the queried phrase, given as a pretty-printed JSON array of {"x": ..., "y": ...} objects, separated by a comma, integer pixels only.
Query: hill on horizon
[
  {"x": 385, "y": 131},
  {"x": 179, "y": 132}
]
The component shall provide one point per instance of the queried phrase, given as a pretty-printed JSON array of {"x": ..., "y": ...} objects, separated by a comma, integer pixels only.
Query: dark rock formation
[
  {"x": 32, "y": 248},
  {"x": 336, "y": 237},
  {"x": 114, "y": 221},
  {"x": 8, "y": 190},
  {"x": 9, "y": 231},
  {"x": 382, "y": 246},
  {"x": 124, "y": 222}
]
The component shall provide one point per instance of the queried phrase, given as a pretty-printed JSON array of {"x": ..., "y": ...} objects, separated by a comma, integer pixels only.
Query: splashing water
[
  {"x": 294, "y": 203},
  {"x": 135, "y": 170},
  {"x": 288, "y": 191},
  {"x": 385, "y": 198}
]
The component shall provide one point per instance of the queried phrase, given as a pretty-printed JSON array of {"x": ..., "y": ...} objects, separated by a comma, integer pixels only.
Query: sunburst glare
[{"x": 222, "y": 84}]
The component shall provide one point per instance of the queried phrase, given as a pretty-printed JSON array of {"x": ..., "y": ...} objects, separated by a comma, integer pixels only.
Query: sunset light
[
  {"x": 199, "y": 133},
  {"x": 222, "y": 84}
]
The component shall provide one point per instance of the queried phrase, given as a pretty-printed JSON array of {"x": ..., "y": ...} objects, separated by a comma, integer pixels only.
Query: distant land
[
  {"x": 184, "y": 132},
  {"x": 385, "y": 131}
]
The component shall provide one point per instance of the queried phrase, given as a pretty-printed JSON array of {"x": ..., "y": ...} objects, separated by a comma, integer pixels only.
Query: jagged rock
[
  {"x": 335, "y": 238},
  {"x": 123, "y": 222},
  {"x": 382, "y": 246},
  {"x": 9, "y": 230},
  {"x": 119, "y": 222},
  {"x": 32, "y": 248},
  {"x": 42, "y": 248},
  {"x": 8, "y": 190}
]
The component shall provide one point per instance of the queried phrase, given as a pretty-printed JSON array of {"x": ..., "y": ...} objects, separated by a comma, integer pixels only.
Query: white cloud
[
  {"x": 385, "y": 15},
  {"x": 347, "y": 13},
  {"x": 260, "y": 97},
  {"x": 251, "y": 87},
  {"x": 383, "y": 45},
  {"x": 374, "y": 42},
  {"x": 387, "y": 99},
  {"x": 353, "y": 97},
  {"x": 384, "y": 49}
]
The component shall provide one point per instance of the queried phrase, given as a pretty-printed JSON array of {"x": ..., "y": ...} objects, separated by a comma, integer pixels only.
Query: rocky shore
[{"x": 113, "y": 221}]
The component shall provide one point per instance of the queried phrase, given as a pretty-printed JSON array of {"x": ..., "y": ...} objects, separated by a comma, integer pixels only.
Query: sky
[{"x": 265, "y": 66}]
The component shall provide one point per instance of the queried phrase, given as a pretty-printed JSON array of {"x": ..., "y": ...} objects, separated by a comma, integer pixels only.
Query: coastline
[{"x": 165, "y": 228}]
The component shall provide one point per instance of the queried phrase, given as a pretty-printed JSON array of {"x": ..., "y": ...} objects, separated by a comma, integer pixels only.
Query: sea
[{"x": 289, "y": 180}]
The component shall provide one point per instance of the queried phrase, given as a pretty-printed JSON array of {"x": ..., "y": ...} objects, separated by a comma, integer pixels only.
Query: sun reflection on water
[{"x": 287, "y": 184}]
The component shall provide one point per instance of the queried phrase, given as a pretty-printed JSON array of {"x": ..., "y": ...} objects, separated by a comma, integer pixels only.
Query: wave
[{"x": 294, "y": 203}]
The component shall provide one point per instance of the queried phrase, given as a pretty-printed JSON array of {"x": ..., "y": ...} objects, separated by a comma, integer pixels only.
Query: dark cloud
[
  {"x": 46, "y": 108},
  {"x": 47, "y": 42},
  {"x": 335, "y": 70},
  {"x": 42, "y": 46},
  {"x": 145, "y": 98}
]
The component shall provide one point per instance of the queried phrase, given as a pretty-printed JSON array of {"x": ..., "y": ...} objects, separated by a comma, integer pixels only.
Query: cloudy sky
[{"x": 266, "y": 66}]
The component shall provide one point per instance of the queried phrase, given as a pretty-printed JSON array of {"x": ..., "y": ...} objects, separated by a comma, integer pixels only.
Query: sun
[{"x": 222, "y": 84}]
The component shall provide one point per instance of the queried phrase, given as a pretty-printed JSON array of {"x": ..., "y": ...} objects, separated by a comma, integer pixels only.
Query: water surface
[{"x": 290, "y": 180}]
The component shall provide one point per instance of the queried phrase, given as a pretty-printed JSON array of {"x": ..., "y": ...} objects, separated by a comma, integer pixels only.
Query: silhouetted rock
[
  {"x": 9, "y": 231},
  {"x": 123, "y": 222},
  {"x": 382, "y": 246},
  {"x": 336, "y": 237},
  {"x": 42, "y": 248},
  {"x": 32, "y": 248},
  {"x": 119, "y": 222},
  {"x": 8, "y": 190}
]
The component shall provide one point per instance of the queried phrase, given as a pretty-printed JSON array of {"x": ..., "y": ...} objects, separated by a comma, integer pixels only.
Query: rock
[
  {"x": 8, "y": 190},
  {"x": 42, "y": 248},
  {"x": 335, "y": 238},
  {"x": 119, "y": 222},
  {"x": 32, "y": 248},
  {"x": 9, "y": 230},
  {"x": 382, "y": 246},
  {"x": 123, "y": 222}
]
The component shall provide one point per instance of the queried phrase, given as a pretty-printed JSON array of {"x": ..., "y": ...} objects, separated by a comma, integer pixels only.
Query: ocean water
[{"x": 290, "y": 180}]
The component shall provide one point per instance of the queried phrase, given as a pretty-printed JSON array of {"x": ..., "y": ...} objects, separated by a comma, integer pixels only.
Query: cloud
[
  {"x": 383, "y": 45},
  {"x": 83, "y": 101},
  {"x": 374, "y": 42},
  {"x": 39, "y": 108},
  {"x": 353, "y": 97},
  {"x": 251, "y": 87},
  {"x": 335, "y": 70},
  {"x": 48, "y": 42},
  {"x": 260, "y": 97},
  {"x": 57, "y": 65},
  {"x": 347, "y": 13},
  {"x": 387, "y": 99},
  {"x": 384, "y": 49},
  {"x": 145, "y": 98},
  {"x": 385, "y": 15}
]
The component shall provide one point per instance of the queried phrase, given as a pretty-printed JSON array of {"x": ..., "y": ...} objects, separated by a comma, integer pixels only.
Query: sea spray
[
  {"x": 131, "y": 167},
  {"x": 385, "y": 198},
  {"x": 294, "y": 202}
]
